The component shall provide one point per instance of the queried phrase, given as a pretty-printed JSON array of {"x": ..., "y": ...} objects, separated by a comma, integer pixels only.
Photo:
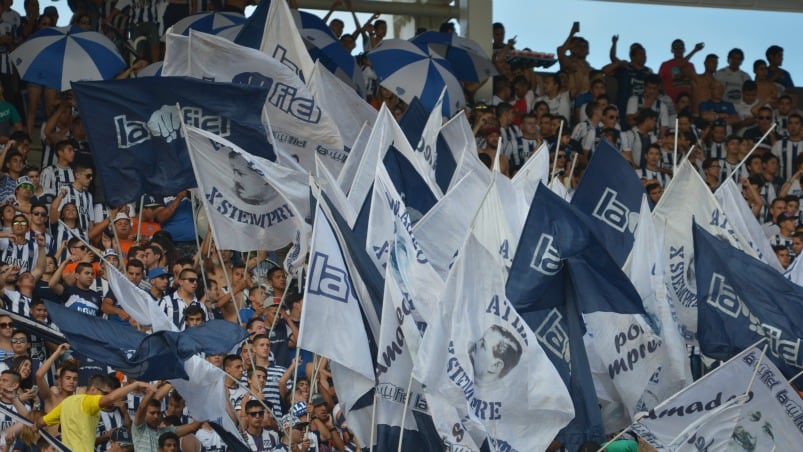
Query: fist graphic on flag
[{"x": 165, "y": 122}]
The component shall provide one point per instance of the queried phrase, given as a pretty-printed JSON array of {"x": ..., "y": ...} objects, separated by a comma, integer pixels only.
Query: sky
[{"x": 547, "y": 23}]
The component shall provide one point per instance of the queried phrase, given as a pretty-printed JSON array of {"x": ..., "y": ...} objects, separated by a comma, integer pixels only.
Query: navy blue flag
[
  {"x": 741, "y": 301},
  {"x": 16, "y": 417},
  {"x": 445, "y": 164},
  {"x": 34, "y": 328},
  {"x": 253, "y": 28},
  {"x": 413, "y": 121},
  {"x": 233, "y": 443},
  {"x": 610, "y": 194},
  {"x": 157, "y": 356},
  {"x": 134, "y": 129},
  {"x": 560, "y": 270},
  {"x": 410, "y": 184}
]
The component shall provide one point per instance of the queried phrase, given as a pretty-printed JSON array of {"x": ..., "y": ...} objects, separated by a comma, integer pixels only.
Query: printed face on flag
[
  {"x": 249, "y": 186},
  {"x": 239, "y": 196},
  {"x": 494, "y": 355}
]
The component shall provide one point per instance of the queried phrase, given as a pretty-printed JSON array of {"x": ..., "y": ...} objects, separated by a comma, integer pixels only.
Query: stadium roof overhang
[{"x": 758, "y": 5}]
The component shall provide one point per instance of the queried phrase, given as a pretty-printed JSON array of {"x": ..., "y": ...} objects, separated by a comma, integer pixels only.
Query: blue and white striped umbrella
[
  {"x": 323, "y": 46},
  {"x": 411, "y": 71},
  {"x": 468, "y": 59},
  {"x": 54, "y": 57},
  {"x": 211, "y": 23},
  {"x": 151, "y": 70}
]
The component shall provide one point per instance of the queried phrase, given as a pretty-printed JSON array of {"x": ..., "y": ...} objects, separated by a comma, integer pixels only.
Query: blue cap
[{"x": 156, "y": 272}]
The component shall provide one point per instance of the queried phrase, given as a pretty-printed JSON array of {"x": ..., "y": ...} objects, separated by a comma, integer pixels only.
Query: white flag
[
  {"x": 673, "y": 219},
  {"x": 534, "y": 171},
  {"x": 386, "y": 133},
  {"x": 177, "y": 56},
  {"x": 137, "y": 303},
  {"x": 460, "y": 138},
  {"x": 645, "y": 269},
  {"x": 481, "y": 356},
  {"x": 442, "y": 230},
  {"x": 742, "y": 219},
  {"x": 770, "y": 419},
  {"x": 251, "y": 202},
  {"x": 282, "y": 41},
  {"x": 426, "y": 149},
  {"x": 346, "y": 177},
  {"x": 330, "y": 299},
  {"x": 711, "y": 432},
  {"x": 299, "y": 125},
  {"x": 349, "y": 110}
]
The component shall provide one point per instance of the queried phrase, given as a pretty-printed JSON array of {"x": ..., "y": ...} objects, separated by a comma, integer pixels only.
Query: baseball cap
[
  {"x": 25, "y": 180},
  {"x": 122, "y": 437},
  {"x": 110, "y": 252},
  {"x": 156, "y": 272},
  {"x": 317, "y": 399},
  {"x": 150, "y": 201},
  {"x": 299, "y": 409},
  {"x": 121, "y": 216}
]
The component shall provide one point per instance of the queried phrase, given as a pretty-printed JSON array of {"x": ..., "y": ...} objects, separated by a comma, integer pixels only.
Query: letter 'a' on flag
[
  {"x": 251, "y": 203},
  {"x": 610, "y": 194},
  {"x": 330, "y": 299},
  {"x": 735, "y": 311},
  {"x": 134, "y": 129}
]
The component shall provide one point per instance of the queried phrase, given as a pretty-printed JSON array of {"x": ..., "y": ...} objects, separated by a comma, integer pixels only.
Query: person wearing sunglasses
[
  {"x": 6, "y": 332},
  {"x": 78, "y": 193},
  {"x": 257, "y": 437},
  {"x": 175, "y": 303}
]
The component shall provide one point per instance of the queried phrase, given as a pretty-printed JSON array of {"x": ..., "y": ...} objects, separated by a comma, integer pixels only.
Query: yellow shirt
[{"x": 78, "y": 416}]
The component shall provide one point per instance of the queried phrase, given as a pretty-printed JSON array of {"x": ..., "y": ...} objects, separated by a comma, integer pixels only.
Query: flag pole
[
  {"x": 568, "y": 181},
  {"x": 795, "y": 377},
  {"x": 295, "y": 379},
  {"x": 675, "y": 152},
  {"x": 755, "y": 146},
  {"x": 373, "y": 423},
  {"x": 198, "y": 244},
  {"x": 557, "y": 147},
  {"x": 755, "y": 372},
  {"x": 404, "y": 412},
  {"x": 139, "y": 222}
]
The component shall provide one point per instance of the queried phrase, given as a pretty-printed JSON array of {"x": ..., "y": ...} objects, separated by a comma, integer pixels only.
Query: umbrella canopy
[
  {"x": 469, "y": 61},
  {"x": 410, "y": 71},
  {"x": 211, "y": 23},
  {"x": 323, "y": 46},
  {"x": 151, "y": 70},
  {"x": 54, "y": 57}
]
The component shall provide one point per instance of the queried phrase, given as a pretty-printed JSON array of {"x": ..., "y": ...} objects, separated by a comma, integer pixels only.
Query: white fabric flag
[
  {"x": 481, "y": 356},
  {"x": 346, "y": 177},
  {"x": 534, "y": 171},
  {"x": 386, "y": 133},
  {"x": 255, "y": 203},
  {"x": 769, "y": 421},
  {"x": 795, "y": 272},
  {"x": 673, "y": 218},
  {"x": 204, "y": 392},
  {"x": 741, "y": 217},
  {"x": 352, "y": 111},
  {"x": 460, "y": 138},
  {"x": 177, "y": 56},
  {"x": 556, "y": 185},
  {"x": 711, "y": 432},
  {"x": 282, "y": 41},
  {"x": 330, "y": 299},
  {"x": 442, "y": 230},
  {"x": 136, "y": 302},
  {"x": 426, "y": 150},
  {"x": 300, "y": 126},
  {"x": 327, "y": 183},
  {"x": 645, "y": 269}
]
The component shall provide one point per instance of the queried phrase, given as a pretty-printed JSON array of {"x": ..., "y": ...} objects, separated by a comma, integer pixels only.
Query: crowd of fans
[{"x": 58, "y": 236}]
